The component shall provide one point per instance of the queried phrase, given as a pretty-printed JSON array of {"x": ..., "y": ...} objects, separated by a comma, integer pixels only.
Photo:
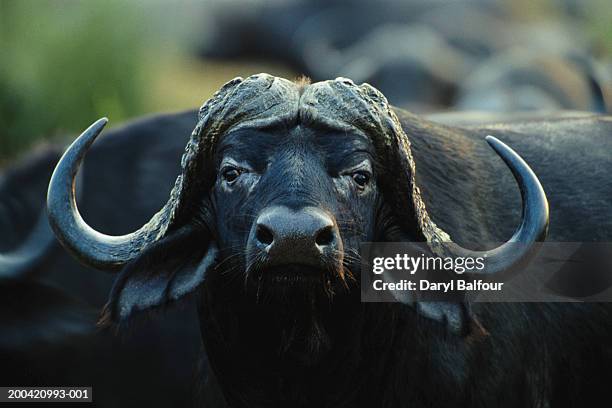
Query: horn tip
[
  {"x": 95, "y": 128},
  {"x": 496, "y": 144},
  {"x": 492, "y": 139}
]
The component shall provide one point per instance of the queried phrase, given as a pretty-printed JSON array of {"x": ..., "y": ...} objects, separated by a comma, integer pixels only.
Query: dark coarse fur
[{"x": 388, "y": 355}]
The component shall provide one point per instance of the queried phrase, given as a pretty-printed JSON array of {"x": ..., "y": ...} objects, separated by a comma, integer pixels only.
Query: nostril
[
  {"x": 325, "y": 236},
  {"x": 264, "y": 235}
]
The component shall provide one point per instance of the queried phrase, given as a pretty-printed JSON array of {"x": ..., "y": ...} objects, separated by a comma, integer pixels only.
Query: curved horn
[
  {"x": 88, "y": 245},
  {"x": 534, "y": 222}
]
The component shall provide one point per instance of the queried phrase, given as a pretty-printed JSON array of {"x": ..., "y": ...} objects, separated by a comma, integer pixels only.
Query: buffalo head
[{"x": 281, "y": 181}]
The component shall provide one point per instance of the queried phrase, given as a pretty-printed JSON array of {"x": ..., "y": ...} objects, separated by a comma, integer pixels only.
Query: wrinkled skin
[{"x": 294, "y": 168}]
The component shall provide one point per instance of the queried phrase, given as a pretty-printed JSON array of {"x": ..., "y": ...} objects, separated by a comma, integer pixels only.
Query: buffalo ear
[
  {"x": 166, "y": 271},
  {"x": 455, "y": 316}
]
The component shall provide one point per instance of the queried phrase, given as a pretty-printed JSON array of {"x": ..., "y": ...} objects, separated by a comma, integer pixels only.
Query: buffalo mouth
[
  {"x": 294, "y": 274},
  {"x": 294, "y": 279}
]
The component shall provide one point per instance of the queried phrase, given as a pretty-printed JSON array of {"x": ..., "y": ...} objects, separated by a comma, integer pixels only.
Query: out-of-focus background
[{"x": 65, "y": 63}]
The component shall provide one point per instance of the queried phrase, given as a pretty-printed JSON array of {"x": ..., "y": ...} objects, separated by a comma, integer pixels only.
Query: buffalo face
[{"x": 291, "y": 206}]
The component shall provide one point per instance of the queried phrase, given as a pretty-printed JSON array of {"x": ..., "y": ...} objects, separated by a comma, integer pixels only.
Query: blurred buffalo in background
[
  {"x": 422, "y": 54},
  {"x": 49, "y": 304}
]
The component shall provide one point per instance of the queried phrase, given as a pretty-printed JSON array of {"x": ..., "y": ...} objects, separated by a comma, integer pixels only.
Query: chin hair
[
  {"x": 299, "y": 299},
  {"x": 304, "y": 335}
]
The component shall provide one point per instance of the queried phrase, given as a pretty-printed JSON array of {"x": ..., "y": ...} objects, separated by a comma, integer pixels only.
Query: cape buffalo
[
  {"x": 274, "y": 166},
  {"x": 519, "y": 80},
  {"x": 26, "y": 238},
  {"x": 123, "y": 178}
]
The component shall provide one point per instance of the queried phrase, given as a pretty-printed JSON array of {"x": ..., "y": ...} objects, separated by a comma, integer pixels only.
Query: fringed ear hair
[{"x": 156, "y": 279}]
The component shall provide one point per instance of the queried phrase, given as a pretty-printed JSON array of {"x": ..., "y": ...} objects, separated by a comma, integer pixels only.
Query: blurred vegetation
[
  {"x": 598, "y": 20},
  {"x": 594, "y": 17},
  {"x": 64, "y": 64}
]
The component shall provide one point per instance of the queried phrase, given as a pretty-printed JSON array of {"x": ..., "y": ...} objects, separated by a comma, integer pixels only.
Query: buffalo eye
[
  {"x": 230, "y": 174},
  {"x": 361, "y": 178}
]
